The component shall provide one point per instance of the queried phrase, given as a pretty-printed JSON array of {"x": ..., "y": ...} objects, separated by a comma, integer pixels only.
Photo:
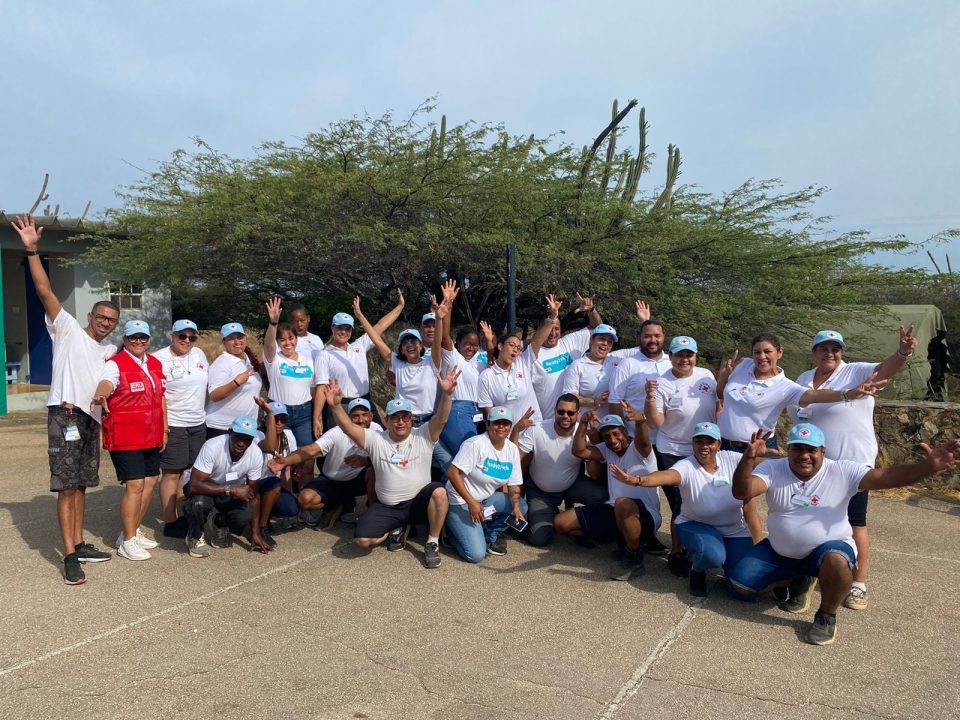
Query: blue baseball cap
[
  {"x": 244, "y": 425},
  {"x": 604, "y": 329},
  {"x": 184, "y": 325},
  {"x": 806, "y": 434},
  {"x": 399, "y": 405},
  {"x": 136, "y": 327},
  {"x": 825, "y": 335},
  {"x": 408, "y": 334},
  {"x": 342, "y": 319},
  {"x": 611, "y": 421},
  {"x": 358, "y": 402},
  {"x": 706, "y": 428},
  {"x": 499, "y": 413},
  {"x": 278, "y": 408},
  {"x": 428, "y": 317},
  {"x": 231, "y": 329},
  {"x": 683, "y": 342}
]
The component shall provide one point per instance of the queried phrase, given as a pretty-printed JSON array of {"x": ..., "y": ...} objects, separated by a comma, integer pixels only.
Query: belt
[
  {"x": 736, "y": 443},
  {"x": 421, "y": 418}
]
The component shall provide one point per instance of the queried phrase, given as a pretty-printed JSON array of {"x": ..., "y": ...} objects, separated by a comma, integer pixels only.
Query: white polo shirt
[
  {"x": 187, "y": 377},
  {"x": 589, "y": 378},
  {"x": 847, "y": 426},
  {"x": 402, "y": 469},
  {"x": 469, "y": 373},
  {"x": 635, "y": 464},
  {"x": 350, "y": 367},
  {"x": 803, "y": 516},
  {"x": 750, "y": 404},
  {"x": 511, "y": 388},
  {"x": 553, "y": 467},
  {"x": 291, "y": 381},
  {"x": 708, "y": 498},
  {"x": 684, "y": 402},
  {"x": 416, "y": 382},
  {"x": 222, "y": 413},
  {"x": 336, "y": 446},
  {"x": 77, "y": 363},
  {"x": 484, "y": 468},
  {"x": 550, "y": 365},
  {"x": 629, "y": 383},
  {"x": 214, "y": 459}
]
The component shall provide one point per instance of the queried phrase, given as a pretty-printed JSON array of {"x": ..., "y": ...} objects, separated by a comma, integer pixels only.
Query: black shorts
[
  {"x": 73, "y": 463},
  {"x": 857, "y": 509},
  {"x": 136, "y": 464},
  {"x": 379, "y": 519},
  {"x": 600, "y": 519},
  {"x": 339, "y": 492},
  {"x": 183, "y": 446}
]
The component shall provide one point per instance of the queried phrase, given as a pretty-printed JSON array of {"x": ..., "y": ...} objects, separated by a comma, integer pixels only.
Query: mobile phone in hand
[{"x": 518, "y": 525}]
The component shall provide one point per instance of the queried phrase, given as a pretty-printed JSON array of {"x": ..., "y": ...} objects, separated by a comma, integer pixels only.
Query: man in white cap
[
  {"x": 401, "y": 458},
  {"x": 73, "y": 428},
  {"x": 810, "y": 537}
]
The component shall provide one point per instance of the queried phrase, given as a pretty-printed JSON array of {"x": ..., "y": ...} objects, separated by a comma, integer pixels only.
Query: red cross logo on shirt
[{"x": 814, "y": 500}]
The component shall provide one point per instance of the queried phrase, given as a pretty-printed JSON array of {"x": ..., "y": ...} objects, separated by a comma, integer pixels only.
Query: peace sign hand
[
  {"x": 585, "y": 304},
  {"x": 553, "y": 305}
]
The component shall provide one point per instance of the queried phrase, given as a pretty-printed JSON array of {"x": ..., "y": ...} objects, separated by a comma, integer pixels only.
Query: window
[{"x": 127, "y": 297}]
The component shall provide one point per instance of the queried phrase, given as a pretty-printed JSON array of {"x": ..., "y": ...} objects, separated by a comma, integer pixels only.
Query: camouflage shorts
[{"x": 73, "y": 463}]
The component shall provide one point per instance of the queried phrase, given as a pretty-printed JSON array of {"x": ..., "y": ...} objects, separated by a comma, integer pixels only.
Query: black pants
[{"x": 234, "y": 513}]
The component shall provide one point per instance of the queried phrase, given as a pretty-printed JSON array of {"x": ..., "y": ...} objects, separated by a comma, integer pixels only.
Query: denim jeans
[
  {"x": 300, "y": 423},
  {"x": 469, "y": 538},
  {"x": 709, "y": 549},
  {"x": 762, "y": 566},
  {"x": 460, "y": 425}
]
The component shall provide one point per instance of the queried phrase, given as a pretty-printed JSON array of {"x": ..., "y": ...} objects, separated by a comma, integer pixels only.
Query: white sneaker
[
  {"x": 131, "y": 550},
  {"x": 197, "y": 547},
  {"x": 145, "y": 542}
]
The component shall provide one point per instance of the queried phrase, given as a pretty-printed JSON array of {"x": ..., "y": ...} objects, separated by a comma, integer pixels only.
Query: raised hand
[
  {"x": 433, "y": 303},
  {"x": 757, "y": 447},
  {"x": 585, "y": 304},
  {"x": 488, "y": 333},
  {"x": 908, "y": 343},
  {"x": 726, "y": 368},
  {"x": 332, "y": 394},
  {"x": 442, "y": 310},
  {"x": 263, "y": 405},
  {"x": 631, "y": 413},
  {"x": 400, "y": 301},
  {"x": 642, "y": 310},
  {"x": 450, "y": 290},
  {"x": 553, "y": 305},
  {"x": 623, "y": 476},
  {"x": 273, "y": 310},
  {"x": 356, "y": 305},
  {"x": 526, "y": 421},
  {"x": 651, "y": 388},
  {"x": 591, "y": 420},
  {"x": 943, "y": 457},
  {"x": 28, "y": 231},
  {"x": 449, "y": 381}
]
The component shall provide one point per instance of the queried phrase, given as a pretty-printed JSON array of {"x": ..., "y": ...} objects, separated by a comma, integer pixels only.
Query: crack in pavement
[{"x": 171, "y": 676}]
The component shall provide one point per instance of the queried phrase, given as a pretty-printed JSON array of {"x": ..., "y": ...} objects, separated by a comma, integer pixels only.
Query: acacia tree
[{"x": 370, "y": 204}]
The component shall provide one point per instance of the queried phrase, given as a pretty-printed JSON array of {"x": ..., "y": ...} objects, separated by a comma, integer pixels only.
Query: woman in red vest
[{"x": 134, "y": 431}]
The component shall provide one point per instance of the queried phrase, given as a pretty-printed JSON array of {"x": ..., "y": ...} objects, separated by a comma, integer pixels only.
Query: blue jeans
[
  {"x": 300, "y": 423},
  {"x": 709, "y": 549},
  {"x": 460, "y": 425},
  {"x": 469, "y": 538},
  {"x": 763, "y": 566}
]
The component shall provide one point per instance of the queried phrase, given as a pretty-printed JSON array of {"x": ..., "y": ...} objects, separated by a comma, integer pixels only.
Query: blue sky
[{"x": 858, "y": 96}]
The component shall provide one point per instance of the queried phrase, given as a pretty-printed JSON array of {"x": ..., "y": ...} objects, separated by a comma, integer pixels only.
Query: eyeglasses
[
  {"x": 106, "y": 318},
  {"x": 138, "y": 338},
  {"x": 569, "y": 413},
  {"x": 515, "y": 346},
  {"x": 187, "y": 337}
]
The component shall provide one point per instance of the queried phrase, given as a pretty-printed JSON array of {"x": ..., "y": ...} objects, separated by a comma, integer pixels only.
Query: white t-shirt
[
  {"x": 77, "y": 363},
  {"x": 267, "y": 456},
  {"x": 187, "y": 377},
  {"x": 291, "y": 381},
  {"x": 684, "y": 402},
  {"x": 416, "y": 383},
  {"x": 709, "y": 498},
  {"x": 402, "y": 469},
  {"x": 590, "y": 379},
  {"x": 803, "y": 516},
  {"x": 309, "y": 344},
  {"x": 552, "y": 363},
  {"x": 222, "y": 413},
  {"x": 350, "y": 367},
  {"x": 635, "y": 464},
  {"x": 750, "y": 404},
  {"x": 484, "y": 468},
  {"x": 553, "y": 467},
  {"x": 511, "y": 388},
  {"x": 214, "y": 459},
  {"x": 847, "y": 426},
  {"x": 336, "y": 446},
  {"x": 469, "y": 373}
]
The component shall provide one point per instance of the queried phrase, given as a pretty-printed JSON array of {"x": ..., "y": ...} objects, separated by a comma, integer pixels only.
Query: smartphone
[{"x": 518, "y": 525}]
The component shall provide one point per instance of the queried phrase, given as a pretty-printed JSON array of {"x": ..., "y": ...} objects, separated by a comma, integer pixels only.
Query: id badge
[
  {"x": 232, "y": 477},
  {"x": 804, "y": 414},
  {"x": 396, "y": 458},
  {"x": 800, "y": 501},
  {"x": 176, "y": 373},
  {"x": 675, "y": 402},
  {"x": 721, "y": 482},
  {"x": 489, "y": 511},
  {"x": 71, "y": 433},
  {"x": 478, "y": 417},
  {"x": 513, "y": 395}
]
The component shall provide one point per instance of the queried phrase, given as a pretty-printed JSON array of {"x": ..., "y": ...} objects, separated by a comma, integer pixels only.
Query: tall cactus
[
  {"x": 611, "y": 150},
  {"x": 665, "y": 200},
  {"x": 640, "y": 163}
]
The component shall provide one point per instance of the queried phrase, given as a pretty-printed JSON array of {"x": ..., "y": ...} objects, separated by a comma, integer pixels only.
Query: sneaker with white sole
[
  {"x": 198, "y": 548},
  {"x": 131, "y": 550},
  {"x": 856, "y": 599},
  {"x": 145, "y": 542}
]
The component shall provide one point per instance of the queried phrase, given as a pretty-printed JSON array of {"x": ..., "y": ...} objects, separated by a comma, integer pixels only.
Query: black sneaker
[
  {"x": 801, "y": 592},
  {"x": 217, "y": 537},
  {"x": 87, "y": 553},
  {"x": 267, "y": 536},
  {"x": 698, "y": 583},
  {"x": 397, "y": 539},
  {"x": 497, "y": 547},
  {"x": 823, "y": 630},
  {"x": 629, "y": 566},
  {"x": 781, "y": 594},
  {"x": 431, "y": 555},
  {"x": 72, "y": 572},
  {"x": 652, "y": 546},
  {"x": 176, "y": 529},
  {"x": 679, "y": 564}
]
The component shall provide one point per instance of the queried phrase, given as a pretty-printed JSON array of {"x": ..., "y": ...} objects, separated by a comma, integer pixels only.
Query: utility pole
[{"x": 511, "y": 288}]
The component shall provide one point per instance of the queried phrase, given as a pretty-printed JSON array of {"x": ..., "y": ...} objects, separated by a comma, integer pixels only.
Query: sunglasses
[
  {"x": 138, "y": 338},
  {"x": 569, "y": 413},
  {"x": 187, "y": 337}
]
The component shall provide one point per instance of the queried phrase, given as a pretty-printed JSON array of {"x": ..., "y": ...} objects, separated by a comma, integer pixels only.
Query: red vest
[{"x": 135, "y": 420}]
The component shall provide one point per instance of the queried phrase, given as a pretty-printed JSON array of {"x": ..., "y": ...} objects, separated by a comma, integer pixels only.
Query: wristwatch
[{"x": 227, "y": 490}]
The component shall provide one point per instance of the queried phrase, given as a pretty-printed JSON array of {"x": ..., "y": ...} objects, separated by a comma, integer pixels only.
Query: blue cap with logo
[
  {"x": 358, "y": 402},
  {"x": 136, "y": 327},
  {"x": 806, "y": 434},
  {"x": 428, "y": 317},
  {"x": 499, "y": 413},
  {"x": 409, "y": 334},
  {"x": 231, "y": 329},
  {"x": 683, "y": 342},
  {"x": 611, "y": 421},
  {"x": 399, "y": 405},
  {"x": 342, "y": 319},
  {"x": 604, "y": 329},
  {"x": 184, "y": 325},
  {"x": 828, "y": 335},
  {"x": 706, "y": 428},
  {"x": 244, "y": 425},
  {"x": 278, "y": 408}
]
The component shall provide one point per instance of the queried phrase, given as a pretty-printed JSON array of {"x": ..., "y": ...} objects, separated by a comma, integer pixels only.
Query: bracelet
[
  {"x": 31, "y": 253},
  {"x": 275, "y": 323},
  {"x": 903, "y": 354},
  {"x": 235, "y": 382},
  {"x": 844, "y": 396}
]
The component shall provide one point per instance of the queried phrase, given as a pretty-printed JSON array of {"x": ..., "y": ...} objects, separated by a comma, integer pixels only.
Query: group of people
[{"x": 555, "y": 434}]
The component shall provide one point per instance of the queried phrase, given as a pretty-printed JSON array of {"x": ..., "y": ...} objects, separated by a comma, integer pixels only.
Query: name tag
[
  {"x": 489, "y": 511},
  {"x": 398, "y": 460},
  {"x": 478, "y": 417},
  {"x": 804, "y": 413},
  {"x": 513, "y": 395},
  {"x": 675, "y": 402},
  {"x": 176, "y": 373},
  {"x": 803, "y": 501},
  {"x": 232, "y": 477},
  {"x": 137, "y": 387},
  {"x": 71, "y": 433},
  {"x": 721, "y": 481}
]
